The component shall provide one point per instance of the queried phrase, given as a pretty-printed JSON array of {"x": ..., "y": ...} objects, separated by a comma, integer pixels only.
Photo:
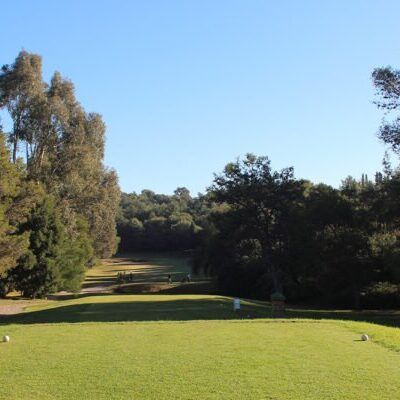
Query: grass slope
[{"x": 190, "y": 347}]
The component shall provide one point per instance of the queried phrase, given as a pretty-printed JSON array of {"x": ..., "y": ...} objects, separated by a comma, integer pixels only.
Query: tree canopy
[{"x": 57, "y": 148}]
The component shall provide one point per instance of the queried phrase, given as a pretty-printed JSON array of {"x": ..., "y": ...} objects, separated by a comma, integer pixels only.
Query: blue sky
[{"x": 187, "y": 86}]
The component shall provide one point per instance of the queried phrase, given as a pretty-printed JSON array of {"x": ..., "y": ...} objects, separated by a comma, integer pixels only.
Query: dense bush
[{"x": 382, "y": 295}]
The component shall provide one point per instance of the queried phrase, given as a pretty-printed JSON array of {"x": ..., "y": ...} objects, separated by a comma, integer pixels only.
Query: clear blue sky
[{"x": 186, "y": 86}]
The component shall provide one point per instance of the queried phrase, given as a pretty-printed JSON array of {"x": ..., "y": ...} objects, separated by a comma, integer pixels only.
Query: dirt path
[
  {"x": 104, "y": 288},
  {"x": 11, "y": 309}
]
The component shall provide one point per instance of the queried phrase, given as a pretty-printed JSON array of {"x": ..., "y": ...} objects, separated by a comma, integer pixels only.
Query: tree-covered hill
[{"x": 150, "y": 221}]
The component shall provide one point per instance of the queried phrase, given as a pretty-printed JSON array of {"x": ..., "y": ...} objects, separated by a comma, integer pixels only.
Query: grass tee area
[{"x": 166, "y": 343}]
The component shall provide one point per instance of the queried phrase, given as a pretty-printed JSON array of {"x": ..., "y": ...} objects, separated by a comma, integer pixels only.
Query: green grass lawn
[
  {"x": 170, "y": 346},
  {"x": 150, "y": 274}
]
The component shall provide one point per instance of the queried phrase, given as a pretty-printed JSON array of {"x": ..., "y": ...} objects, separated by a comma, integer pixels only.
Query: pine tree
[
  {"x": 54, "y": 261},
  {"x": 17, "y": 197},
  {"x": 38, "y": 273}
]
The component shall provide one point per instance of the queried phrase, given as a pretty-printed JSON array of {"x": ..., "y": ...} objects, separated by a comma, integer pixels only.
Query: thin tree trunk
[
  {"x": 40, "y": 157},
  {"x": 15, "y": 138},
  {"x": 15, "y": 145}
]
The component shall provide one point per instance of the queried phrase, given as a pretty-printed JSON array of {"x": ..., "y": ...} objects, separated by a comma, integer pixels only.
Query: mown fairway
[{"x": 182, "y": 346}]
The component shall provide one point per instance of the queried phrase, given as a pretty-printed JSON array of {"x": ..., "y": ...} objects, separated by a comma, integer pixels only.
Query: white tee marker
[{"x": 236, "y": 304}]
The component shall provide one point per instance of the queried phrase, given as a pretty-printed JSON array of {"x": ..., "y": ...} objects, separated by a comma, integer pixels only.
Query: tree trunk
[
  {"x": 41, "y": 155},
  {"x": 272, "y": 270},
  {"x": 15, "y": 145}
]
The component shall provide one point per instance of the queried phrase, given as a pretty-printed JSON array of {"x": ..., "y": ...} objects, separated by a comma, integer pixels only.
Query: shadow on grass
[
  {"x": 381, "y": 317},
  {"x": 197, "y": 287},
  {"x": 163, "y": 310},
  {"x": 148, "y": 274},
  {"x": 154, "y": 273},
  {"x": 175, "y": 309}
]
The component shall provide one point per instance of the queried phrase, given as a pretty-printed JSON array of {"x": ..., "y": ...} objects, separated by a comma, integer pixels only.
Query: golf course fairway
[{"x": 183, "y": 346}]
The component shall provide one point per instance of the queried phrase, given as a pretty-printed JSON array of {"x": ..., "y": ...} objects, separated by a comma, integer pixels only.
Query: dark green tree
[
  {"x": 260, "y": 201},
  {"x": 150, "y": 221},
  {"x": 38, "y": 272},
  {"x": 17, "y": 198},
  {"x": 54, "y": 261}
]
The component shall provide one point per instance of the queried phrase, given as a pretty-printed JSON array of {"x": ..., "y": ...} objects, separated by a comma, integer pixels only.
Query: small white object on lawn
[
  {"x": 364, "y": 337},
  {"x": 236, "y": 304},
  {"x": 6, "y": 339}
]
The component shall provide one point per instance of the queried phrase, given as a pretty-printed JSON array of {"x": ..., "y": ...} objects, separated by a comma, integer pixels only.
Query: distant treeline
[
  {"x": 150, "y": 221},
  {"x": 260, "y": 231},
  {"x": 58, "y": 202}
]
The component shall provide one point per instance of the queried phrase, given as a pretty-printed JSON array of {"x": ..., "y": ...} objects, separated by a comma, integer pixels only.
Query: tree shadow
[
  {"x": 160, "y": 307},
  {"x": 380, "y": 317},
  {"x": 197, "y": 287},
  {"x": 121, "y": 311}
]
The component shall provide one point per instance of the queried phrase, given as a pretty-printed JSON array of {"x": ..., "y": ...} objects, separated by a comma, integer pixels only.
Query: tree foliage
[
  {"x": 54, "y": 261},
  {"x": 387, "y": 85},
  {"x": 150, "y": 221},
  {"x": 58, "y": 147},
  {"x": 272, "y": 233},
  {"x": 16, "y": 199}
]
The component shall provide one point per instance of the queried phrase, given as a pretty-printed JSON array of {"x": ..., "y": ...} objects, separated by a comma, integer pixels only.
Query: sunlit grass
[
  {"x": 196, "y": 359},
  {"x": 169, "y": 346}
]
